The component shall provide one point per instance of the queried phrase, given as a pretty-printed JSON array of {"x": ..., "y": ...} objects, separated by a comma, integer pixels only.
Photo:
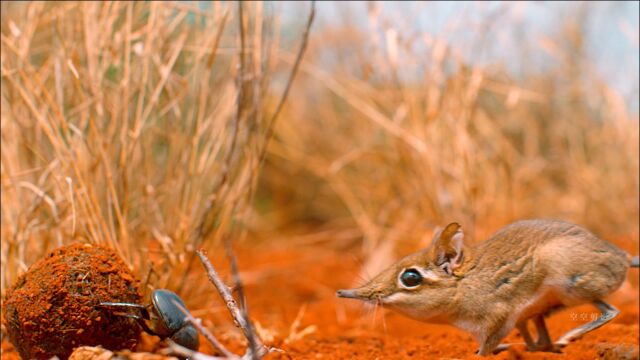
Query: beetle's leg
[
  {"x": 141, "y": 319},
  {"x": 144, "y": 326},
  {"x": 141, "y": 322},
  {"x": 142, "y": 308}
]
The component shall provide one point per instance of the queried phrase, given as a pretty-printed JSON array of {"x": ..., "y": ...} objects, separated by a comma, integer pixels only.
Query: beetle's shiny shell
[
  {"x": 164, "y": 302},
  {"x": 187, "y": 337},
  {"x": 173, "y": 318}
]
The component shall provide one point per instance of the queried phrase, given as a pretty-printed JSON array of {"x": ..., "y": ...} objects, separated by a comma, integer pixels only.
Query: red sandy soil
[{"x": 281, "y": 282}]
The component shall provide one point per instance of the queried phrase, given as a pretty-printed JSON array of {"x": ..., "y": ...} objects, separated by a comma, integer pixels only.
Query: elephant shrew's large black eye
[{"x": 411, "y": 278}]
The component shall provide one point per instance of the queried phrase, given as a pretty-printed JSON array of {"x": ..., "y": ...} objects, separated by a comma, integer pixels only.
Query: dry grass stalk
[
  {"x": 295, "y": 333},
  {"x": 139, "y": 126},
  {"x": 204, "y": 331}
]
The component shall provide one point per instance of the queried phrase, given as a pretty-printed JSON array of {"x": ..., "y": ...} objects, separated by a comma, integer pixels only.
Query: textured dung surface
[{"x": 52, "y": 308}]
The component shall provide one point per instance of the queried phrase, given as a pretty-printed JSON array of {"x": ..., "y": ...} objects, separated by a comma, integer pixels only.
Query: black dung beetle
[{"x": 165, "y": 317}]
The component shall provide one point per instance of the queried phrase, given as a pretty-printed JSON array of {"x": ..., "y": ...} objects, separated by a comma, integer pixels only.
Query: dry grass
[
  {"x": 138, "y": 125},
  {"x": 143, "y": 125}
]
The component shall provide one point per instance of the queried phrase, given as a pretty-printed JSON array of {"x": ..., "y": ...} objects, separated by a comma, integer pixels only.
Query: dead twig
[
  {"x": 205, "y": 332},
  {"x": 237, "y": 314},
  {"x": 237, "y": 285}
]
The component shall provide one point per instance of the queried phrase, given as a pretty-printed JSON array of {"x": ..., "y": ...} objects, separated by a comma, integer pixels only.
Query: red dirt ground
[{"x": 281, "y": 282}]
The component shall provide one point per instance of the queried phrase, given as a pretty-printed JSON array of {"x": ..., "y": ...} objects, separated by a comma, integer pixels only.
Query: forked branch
[{"x": 236, "y": 313}]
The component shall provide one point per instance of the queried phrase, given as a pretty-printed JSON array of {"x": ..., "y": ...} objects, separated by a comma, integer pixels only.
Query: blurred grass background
[
  {"x": 143, "y": 125},
  {"x": 396, "y": 130}
]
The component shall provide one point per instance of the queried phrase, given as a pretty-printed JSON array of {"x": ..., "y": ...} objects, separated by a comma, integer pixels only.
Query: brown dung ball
[{"x": 52, "y": 308}]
